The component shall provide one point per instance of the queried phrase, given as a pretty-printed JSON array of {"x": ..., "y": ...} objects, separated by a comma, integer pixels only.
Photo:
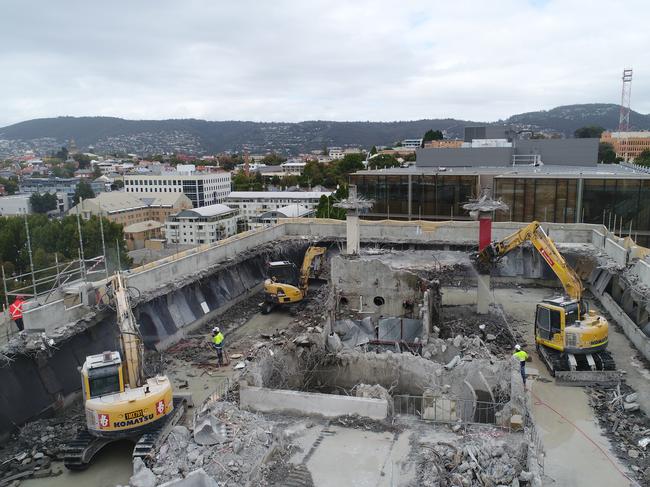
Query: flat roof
[
  {"x": 278, "y": 194},
  {"x": 143, "y": 226},
  {"x": 206, "y": 211},
  {"x": 605, "y": 171}
]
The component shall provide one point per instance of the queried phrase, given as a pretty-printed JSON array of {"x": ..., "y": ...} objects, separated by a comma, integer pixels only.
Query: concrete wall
[
  {"x": 465, "y": 157},
  {"x": 40, "y": 384},
  {"x": 563, "y": 152},
  {"x": 360, "y": 281},
  {"x": 295, "y": 402}
]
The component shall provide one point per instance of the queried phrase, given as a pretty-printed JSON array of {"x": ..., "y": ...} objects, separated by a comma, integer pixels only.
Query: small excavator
[
  {"x": 119, "y": 402},
  {"x": 284, "y": 286},
  {"x": 570, "y": 339}
]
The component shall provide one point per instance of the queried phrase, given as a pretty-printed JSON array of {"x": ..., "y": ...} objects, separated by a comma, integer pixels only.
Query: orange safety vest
[{"x": 16, "y": 310}]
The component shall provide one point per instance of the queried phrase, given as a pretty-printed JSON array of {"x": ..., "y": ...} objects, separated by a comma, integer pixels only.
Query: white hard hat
[
  {"x": 517, "y": 347},
  {"x": 216, "y": 329}
]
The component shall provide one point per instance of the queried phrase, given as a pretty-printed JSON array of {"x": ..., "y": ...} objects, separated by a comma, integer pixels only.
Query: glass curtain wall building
[{"x": 562, "y": 195}]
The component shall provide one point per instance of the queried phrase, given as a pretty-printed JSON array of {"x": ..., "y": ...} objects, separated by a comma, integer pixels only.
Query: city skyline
[{"x": 289, "y": 61}]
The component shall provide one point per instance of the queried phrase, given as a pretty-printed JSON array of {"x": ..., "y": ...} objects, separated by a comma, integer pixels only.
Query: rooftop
[
  {"x": 599, "y": 171},
  {"x": 206, "y": 211},
  {"x": 143, "y": 226},
  {"x": 278, "y": 194}
]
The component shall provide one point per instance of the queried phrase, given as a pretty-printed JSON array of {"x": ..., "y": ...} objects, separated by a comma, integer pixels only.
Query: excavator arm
[
  {"x": 534, "y": 233},
  {"x": 311, "y": 254},
  {"x": 129, "y": 334}
]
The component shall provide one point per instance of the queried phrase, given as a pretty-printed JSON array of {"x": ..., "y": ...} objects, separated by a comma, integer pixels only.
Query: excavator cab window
[
  {"x": 571, "y": 314},
  {"x": 285, "y": 273},
  {"x": 104, "y": 380},
  {"x": 543, "y": 322},
  {"x": 556, "y": 321}
]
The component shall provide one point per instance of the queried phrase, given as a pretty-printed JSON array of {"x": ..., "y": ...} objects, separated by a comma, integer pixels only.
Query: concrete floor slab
[{"x": 346, "y": 456}]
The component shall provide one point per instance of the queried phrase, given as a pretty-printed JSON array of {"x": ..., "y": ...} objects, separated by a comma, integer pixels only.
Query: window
[{"x": 104, "y": 380}]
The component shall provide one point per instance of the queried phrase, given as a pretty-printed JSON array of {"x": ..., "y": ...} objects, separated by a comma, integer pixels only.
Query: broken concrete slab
[{"x": 295, "y": 402}]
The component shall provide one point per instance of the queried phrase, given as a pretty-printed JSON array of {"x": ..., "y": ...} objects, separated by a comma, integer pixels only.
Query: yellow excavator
[
  {"x": 284, "y": 286},
  {"x": 570, "y": 339},
  {"x": 120, "y": 403}
]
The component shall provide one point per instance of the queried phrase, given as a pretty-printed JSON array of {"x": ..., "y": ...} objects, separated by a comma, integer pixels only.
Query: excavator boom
[
  {"x": 129, "y": 334},
  {"x": 534, "y": 233}
]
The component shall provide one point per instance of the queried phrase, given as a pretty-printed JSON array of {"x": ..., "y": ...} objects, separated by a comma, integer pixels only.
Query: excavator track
[
  {"x": 149, "y": 443},
  {"x": 597, "y": 368},
  {"x": 79, "y": 452}
]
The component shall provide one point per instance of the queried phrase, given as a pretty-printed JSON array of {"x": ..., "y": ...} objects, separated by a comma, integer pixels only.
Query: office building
[
  {"x": 201, "y": 188},
  {"x": 66, "y": 186},
  {"x": 271, "y": 217},
  {"x": 554, "y": 180},
  {"x": 627, "y": 145}
]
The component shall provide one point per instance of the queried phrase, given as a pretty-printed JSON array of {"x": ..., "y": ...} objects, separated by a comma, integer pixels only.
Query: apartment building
[
  {"x": 204, "y": 225},
  {"x": 128, "y": 208},
  {"x": 251, "y": 204},
  {"x": 201, "y": 188}
]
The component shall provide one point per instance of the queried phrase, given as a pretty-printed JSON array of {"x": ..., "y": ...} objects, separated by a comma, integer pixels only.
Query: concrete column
[
  {"x": 410, "y": 193},
  {"x": 353, "y": 238},
  {"x": 579, "y": 190},
  {"x": 483, "y": 294}
]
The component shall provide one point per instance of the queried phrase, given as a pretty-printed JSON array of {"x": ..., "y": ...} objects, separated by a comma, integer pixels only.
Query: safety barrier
[{"x": 447, "y": 410}]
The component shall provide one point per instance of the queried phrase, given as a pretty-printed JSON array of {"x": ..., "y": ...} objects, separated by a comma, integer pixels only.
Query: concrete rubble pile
[
  {"x": 485, "y": 460},
  {"x": 619, "y": 415},
  {"x": 31, "y": 451},
  {"x": 231, "y": 458}
]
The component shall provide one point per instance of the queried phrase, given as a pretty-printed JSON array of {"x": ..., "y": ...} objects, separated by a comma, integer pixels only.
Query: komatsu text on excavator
[
  {"x": 120, "y": 403},
  {"x": 570, "y": 339}
]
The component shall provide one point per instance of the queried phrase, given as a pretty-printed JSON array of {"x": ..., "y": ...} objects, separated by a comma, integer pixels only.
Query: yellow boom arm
[
  {"x": 310, "y": 255},
  {"x": 129, "y": 334},
  {"x": 534, "y": 234}
]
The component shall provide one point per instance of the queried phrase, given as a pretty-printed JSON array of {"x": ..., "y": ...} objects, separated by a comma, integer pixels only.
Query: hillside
[{"x": 108, "y": 135}]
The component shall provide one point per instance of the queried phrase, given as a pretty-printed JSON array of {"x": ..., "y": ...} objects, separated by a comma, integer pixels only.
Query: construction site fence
[{"x": 447, "y": 410}]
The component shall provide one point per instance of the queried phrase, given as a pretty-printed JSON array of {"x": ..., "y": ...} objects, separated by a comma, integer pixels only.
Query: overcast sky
[{"x": 277, "y": 60}]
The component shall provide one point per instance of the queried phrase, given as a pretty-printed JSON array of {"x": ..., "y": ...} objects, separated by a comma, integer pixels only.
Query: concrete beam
[{"x": 295, "y": 402}]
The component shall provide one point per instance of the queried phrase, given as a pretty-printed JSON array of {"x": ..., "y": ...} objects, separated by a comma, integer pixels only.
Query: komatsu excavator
[
  {"x": 120, "y": 403},
  {"x": 570, "y": 339},
  {"x": 284, "y": 286}
]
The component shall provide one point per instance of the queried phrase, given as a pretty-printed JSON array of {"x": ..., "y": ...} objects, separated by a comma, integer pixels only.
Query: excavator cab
[
  {"x": 283, "y": 271},
  {"x": 101, "y": 375}
]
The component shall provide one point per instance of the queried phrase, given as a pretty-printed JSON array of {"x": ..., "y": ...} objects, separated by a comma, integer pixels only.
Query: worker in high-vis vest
[
  {"x": 217, "y": 343},
  {"x": 16, "y": 312},
  {"x": 522, "y": 357}
]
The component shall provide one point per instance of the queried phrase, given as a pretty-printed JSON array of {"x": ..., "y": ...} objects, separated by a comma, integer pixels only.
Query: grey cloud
[{"x": 297, "y": 60}]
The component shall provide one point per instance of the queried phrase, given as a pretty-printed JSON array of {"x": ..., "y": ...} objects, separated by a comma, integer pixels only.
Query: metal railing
[{"x": 446, "y": 410}]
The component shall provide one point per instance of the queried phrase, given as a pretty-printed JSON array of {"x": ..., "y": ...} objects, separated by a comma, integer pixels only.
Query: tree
[
  {"x": 373, "y": 151},
  {"x": 117, "y": 184},
  {"x": 589, "y": 131},
  {"x": 606, "y": 153},
  {"x": 11, "y": 185},
  {"x": 84, "y": 190},
  {"x": 431, "y": 134},
  {"x": 349, "y": 164},
  {"x": 96, "y": 172},
  {"x": 42, "y": 203},
  {"x": 62, "y": 154},
  {"x": 83, "y": 160},
  {"x": 383, "y": 160},
  {"x": 326, "y": 208},
  {"x": 273, "y": 159},
  {"x": 643, "y": 159}
]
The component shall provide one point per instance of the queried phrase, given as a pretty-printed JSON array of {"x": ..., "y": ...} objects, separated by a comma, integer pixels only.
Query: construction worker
[
  {"x": 217, "y": 343},
  {"x": 522, "y": 357},
  {"x": 16, "y": 311}
]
